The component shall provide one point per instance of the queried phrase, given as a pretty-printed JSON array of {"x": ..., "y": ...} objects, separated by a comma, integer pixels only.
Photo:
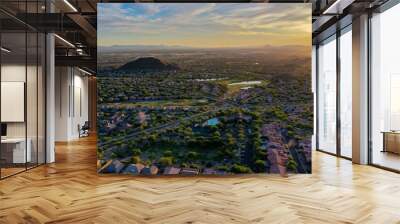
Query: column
[{"x": 360, "y": 89}]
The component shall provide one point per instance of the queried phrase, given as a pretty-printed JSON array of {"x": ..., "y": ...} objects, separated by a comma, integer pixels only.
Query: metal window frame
[
  {"x": 387, "y": 5},
  {"x": 381, "y": 9},
  {"x": 339, "y": 32}
]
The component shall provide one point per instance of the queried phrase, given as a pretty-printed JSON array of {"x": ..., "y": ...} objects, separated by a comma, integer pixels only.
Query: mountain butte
[{"x": 147, "y": 64}]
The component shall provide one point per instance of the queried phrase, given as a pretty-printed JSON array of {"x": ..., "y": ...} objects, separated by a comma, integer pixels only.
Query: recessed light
[
  {"x": 70, "y": 5},
  {"x": 64, "y": 40},
  {"x": 86, "y": 72},
  {"x": 5, "y": 50}
]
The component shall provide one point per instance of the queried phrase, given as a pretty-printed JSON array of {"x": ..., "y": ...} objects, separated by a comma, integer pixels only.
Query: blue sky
[{"x": 204, "y": 24}]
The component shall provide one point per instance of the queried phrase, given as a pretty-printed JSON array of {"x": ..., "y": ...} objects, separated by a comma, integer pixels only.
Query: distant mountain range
[
  {"x": 126, "y": 48},
  {"x": 147, "y": 64},
  {"x": 119, "y": 48}
]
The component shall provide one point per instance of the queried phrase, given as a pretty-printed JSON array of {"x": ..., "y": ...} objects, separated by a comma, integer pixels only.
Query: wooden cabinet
[{"x": 391, "y": 142}]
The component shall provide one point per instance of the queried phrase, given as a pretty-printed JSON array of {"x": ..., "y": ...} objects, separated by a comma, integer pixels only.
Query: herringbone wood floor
[{"x": 70, "y": 191}]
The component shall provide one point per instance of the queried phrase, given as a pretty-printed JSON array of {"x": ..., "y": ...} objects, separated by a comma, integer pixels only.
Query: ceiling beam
[
  {"x": 86, "y": 26},
  {"x": 78, "y": 61}
]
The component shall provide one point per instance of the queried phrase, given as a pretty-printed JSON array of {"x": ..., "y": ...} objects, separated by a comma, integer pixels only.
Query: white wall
[
  {"x": 80, "y": 112},
  {"x": 71, "y": 102},
  {"x": 13, "y": 72},
  {"x": 62, "y": 82}
]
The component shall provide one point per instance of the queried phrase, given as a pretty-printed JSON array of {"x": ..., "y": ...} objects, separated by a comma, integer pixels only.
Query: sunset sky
[{"x": 205, "y": 25}]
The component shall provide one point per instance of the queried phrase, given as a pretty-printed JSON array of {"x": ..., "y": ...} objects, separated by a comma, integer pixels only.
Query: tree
[
  {"x": 240, "y": 169},
  {"x": 216, "y": 136},
  {"x": 291, "y": 164},
  {"x": 136, "y": 152},
  {"x": 146, "y": 162},
  {"x": 195, "y": 166},
  {"x": 188, "y": 132},
  {"x": 153, "y": 138},
  {"x": 192, "y": 155},
  {"x": 166, "y": 161},
  {"x": 230, "y": 140},
  {"x": 152, "y": 156},
  {"x": 291, "y": 134},
  {"x": 222, "y": 168},
  {"x": 167, "y": 153},
  {"x": 241, "y": 135},
  {"x": 136, "y": 159},
  {"x": 260, "y": 166}
]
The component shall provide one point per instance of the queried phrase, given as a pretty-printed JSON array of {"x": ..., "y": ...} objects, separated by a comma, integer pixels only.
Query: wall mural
[{"x": 204, "y": 88}]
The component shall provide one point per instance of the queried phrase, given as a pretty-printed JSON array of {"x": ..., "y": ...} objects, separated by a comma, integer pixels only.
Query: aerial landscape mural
[{"x": 204, "y": 88}]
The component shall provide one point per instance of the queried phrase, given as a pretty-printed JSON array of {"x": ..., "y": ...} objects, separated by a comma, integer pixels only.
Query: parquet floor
[
  {"x": 10, "y": 171},
  {"x": 70, "y": 191}
]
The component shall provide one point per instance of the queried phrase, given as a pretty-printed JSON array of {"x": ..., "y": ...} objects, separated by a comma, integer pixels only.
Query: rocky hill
[{"x": 147, "y": 64}]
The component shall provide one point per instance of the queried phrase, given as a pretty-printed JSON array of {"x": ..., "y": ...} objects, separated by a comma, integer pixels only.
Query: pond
[{"x": 212, "y": 122}]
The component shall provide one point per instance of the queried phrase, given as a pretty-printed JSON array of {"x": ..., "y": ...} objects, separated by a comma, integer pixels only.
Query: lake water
[
  {"x": 245, "y": 83},
  {"x": 207, "y": 80}
]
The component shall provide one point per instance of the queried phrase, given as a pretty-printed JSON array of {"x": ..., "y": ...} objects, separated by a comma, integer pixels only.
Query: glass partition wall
[
  {"x": 22, "y": 78},
  {"x": 334, "y": 94},
  {"x": 385, "y": 89},
  {"x": 327, "y": 95},
  {"x": 345, "y": 91}
]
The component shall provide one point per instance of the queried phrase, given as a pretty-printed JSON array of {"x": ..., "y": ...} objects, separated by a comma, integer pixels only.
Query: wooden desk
[
  {"x": 391, "y": 142},
  {"x": 13, "y": 150}
]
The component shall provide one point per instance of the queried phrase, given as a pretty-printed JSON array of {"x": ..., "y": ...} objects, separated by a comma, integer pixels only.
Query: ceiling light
[
  {"x": 79, "y": 51},
  {"x": 65, "y": 41},
  {"x": 86, "y": 72},
  {"x": 5, "y": 50},
  {"x": 70, "y": 5},
  {"x": 337, "y": 7},
  {"x": 333, "y": 6}
]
